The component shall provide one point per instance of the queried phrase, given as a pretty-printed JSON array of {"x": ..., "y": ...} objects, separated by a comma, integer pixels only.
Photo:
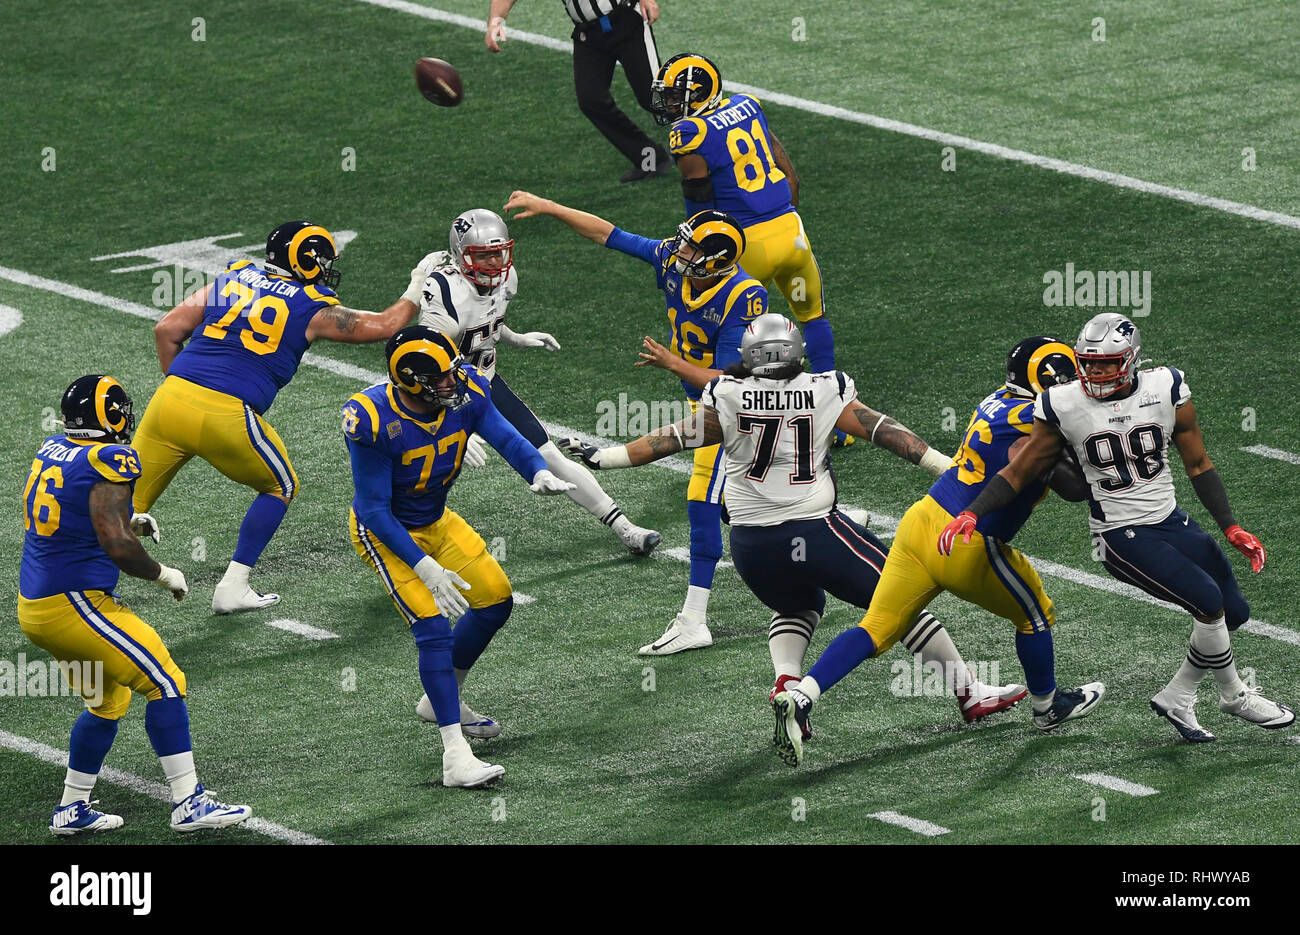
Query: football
[{"x": 438, "y": 82}]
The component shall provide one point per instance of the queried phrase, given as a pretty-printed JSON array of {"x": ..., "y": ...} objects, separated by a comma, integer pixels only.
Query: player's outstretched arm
[
  {"x": 880, "y": 429},
  {"x": 175, "y": 328},
  {"x": 654, "y": 354},
  {"x": 110, "y": 514},
  {"x": 352, "y": 326},
  {"x": 588, "y": 225},
  {"x": 785, "y": 165},
  {"x": 700, "y": 429},
  {"x": 527, "y": 339},
  {"x": 519, "y": 453},
  {"x": 1209, "y": 486}
]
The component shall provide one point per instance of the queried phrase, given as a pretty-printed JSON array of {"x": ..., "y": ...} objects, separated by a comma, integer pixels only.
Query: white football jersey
[
  {"x": 452, "y": 303},
  {"x": 776, "y": 434},
  {"x": 1122, "y": 445}
]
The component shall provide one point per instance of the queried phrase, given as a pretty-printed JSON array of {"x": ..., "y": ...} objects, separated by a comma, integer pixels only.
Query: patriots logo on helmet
[
  {"x": 1125, "y": 327},
  {"x": 462, "y": 225}
]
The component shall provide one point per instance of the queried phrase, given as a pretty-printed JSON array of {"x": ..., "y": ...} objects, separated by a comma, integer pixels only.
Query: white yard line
[
  {"x": 894, "y": 126},
  {"x": 1115, "y": 784},
  {"x": 882, "y": 525},
  {"x": 10, "y": 318},
  {"x": 1276, "y": 453},
  {"x": 155, "y": 790},
  {"x": 303, "y": 629},
  {"x": 927, "y": 828}
]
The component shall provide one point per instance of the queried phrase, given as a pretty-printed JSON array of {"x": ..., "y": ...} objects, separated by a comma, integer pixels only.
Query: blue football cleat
[
  {"x": 80, "y": 818},
  {"x": 201, "y": 811},
  {"x": 1069, "y": 704}
]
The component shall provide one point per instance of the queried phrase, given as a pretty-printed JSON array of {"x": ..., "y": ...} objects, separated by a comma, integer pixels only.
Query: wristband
[
  {"x": 615, "y": 457},
  {"x": 935, "y": 462}
]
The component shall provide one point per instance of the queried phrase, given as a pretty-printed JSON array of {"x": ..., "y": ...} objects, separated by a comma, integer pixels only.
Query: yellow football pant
[
  {"x": 184, "y": 419},
  {"x": 779, "y": 250},
  {"x": 453, "y": 544},
  {"x": 984, "y": 571},
  {"x": 91, "y": 626}
]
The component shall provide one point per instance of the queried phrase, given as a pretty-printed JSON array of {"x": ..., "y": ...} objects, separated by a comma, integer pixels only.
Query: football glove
[
  {"x": 142, "y": 524},
  {"x": 173, "y": 580},
  {"x": 537, "y": 339},
  {"x": 546, "y": 483},
  {"x": 963, "y": 525},
  {"x": 1247, "y": 545},
  {"x": 443, "y": 584},
  {"x": 415, "y": 291},
  {"x": 588, "y": 454},
  {"x": 475, "y": 453}
]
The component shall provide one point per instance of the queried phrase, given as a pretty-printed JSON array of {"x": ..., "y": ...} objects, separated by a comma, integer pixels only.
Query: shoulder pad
[
  {"x": 476, "y": 381},
  {"x": 238, "y": 265},
  {"x": 361, "y": 419},
  {"x": 686, "y": 135},
  {"x": 755, "y": 298},
  {"x": 117, "y": 463},
  {"x": 322, "y": 294}
]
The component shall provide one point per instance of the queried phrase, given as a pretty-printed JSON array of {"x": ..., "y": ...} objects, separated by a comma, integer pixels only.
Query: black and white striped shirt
[{"x": 588, "y": 11}]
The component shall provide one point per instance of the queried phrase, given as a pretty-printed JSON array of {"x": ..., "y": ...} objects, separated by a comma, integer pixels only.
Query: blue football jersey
[
  {"x": 733, "y": 139},
  {"x": 253, "y": 334},
  {"x": 706, "y": 328},
  {"x": 61, "y": 551},
  {"x": 999, "y": 422},
  {"x": 426, "y": 455}
]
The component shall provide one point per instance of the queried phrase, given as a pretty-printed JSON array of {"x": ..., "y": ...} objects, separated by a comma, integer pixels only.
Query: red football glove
[
  {"x": 1247, "y": 545},
  {"x": 963, "y": 524}
]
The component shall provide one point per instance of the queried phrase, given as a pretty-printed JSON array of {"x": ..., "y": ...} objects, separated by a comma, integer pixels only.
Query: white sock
[
  {"x": 929, "y": 640},
  {"x": 1211, "y": 649},
  {"x": 810, "y": 688},
  {"x": 788, "y": 636},
  {"x": 696, "y": 606},
  {"x": 236, "y": 574},
  {"x": 1043, "y": 702},
  {"x": 179, "y": 770},
  {"x": 1188, "y": 676},
  {"x": 586, "y": 491},
  {"x": 77, "y": 787},
  {"x": 453, "y": 741}
]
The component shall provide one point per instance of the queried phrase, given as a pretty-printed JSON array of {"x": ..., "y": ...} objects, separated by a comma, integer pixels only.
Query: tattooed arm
[
  {"x": 695, "y": 431},
  {"x": 880, "y": 429},
  {"x": 350, "y": 326},
  {"x": 110, "y": 513}
]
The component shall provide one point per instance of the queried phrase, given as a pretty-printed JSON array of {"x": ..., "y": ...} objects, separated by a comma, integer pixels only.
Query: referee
[{"x": 605, "y": 32}]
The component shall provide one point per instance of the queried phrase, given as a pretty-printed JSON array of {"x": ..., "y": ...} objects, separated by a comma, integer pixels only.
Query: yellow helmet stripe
[
  {"x": 434, "y": 349},
  {"x": 1056, "y": 347},
  {"x": 296, "y": 242},
  {"x": 101, "y": 397}
]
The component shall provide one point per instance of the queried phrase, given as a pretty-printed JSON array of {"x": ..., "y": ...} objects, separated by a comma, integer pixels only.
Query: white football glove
[
  {"x": 537, "y": 339},
  {"x": 172, "y": 579},
  {"x": 442, "y": 584},
  {"x": 142, "y": 524},
  {"x": 546, "y": 483},
  {"x": 475, "y": 453},
  {"x": 415, "y": 291}
]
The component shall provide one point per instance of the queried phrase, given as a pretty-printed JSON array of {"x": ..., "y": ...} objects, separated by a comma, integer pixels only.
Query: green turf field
[{"x": 931, "y": 276}]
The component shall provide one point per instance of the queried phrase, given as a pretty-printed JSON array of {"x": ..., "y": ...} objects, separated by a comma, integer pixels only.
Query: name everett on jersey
[{"x": 777, "y": 399}]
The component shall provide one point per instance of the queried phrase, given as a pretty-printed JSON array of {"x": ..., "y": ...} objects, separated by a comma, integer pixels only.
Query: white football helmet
[
  {"x": 481, "y": 246},
  {"x": 1108, "y": 338}
]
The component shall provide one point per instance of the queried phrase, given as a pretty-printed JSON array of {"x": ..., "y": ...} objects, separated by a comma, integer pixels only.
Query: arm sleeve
[
  {"x": 507, "y": 441},
  {"x": 1210, "y": 491},
  {"x": 643, "y": 248},
  {"x": 819, "y": 344},
  {"x": 372, "y": 474}
]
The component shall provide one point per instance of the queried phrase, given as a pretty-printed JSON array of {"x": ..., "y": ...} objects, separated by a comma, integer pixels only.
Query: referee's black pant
[{"x": 628, "y": 41}]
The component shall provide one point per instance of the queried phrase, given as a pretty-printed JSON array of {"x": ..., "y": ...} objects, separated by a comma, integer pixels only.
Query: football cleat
[
  {"x": 791, "y": 709},
  {"x": 233, "y": 598},
  {"x": 805, "y": 729},
  {"x": 1250, "y": 705},
  {"x": 639, "y": 540},
  {"x": 1180, "y": 711},
  {"x": 472, "y": 724},
  {"x": 466, "y": 771},
  {"x": 682, "y": 634},
  {"x": 201, "y": 811},
  {"x": 979, "y": 701},
  {"x": 80, "y": 818},
  {"x": 1069, "y": 704}
]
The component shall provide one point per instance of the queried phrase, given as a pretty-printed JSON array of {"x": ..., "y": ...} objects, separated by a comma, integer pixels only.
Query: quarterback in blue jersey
[
  {"x": 246, "y": 333},
  {"x": 986, "y": 571},
  {"x": 77, "y": 512},
  {"x": 731, "y": 161},
  {"x": 407, "y": 440},
  {"x": 711, "y": 300}
]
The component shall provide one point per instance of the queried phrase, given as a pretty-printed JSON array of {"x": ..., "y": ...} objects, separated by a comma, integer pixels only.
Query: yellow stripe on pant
[
  {"x": 92, "y": 626},
  {"x": 453, "y": 544},
  {"x": 778, "y": 250},
  {"x": 984, "y": 571},
  {"x": 184, "y": 420}
]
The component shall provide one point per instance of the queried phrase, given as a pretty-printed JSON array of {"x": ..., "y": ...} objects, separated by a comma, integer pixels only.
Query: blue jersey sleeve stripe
[
  {"x": 840, "y": 377},
  {"x": 445, "y": 288},
  {"x": 1178, "y": 382},
  {"x": 1047, "y": 414}
]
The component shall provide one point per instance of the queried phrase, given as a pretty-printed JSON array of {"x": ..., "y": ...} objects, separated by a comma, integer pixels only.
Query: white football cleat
[
  {"x": 1180, "y": 711},
  {"x": 201, "y": 811},
  {"x": 639, "y": 540},
  {"x": 682, "y": 634},
  {"x": 232, "y": 598},
  {"x": 80, "y": 818},
  {"x": 472, "y": 724},
  {"x": 424, "y": 708},
  {"x": 465, "y": 771},
  {"x": 980, "y": 700},
  {"x": 1251, "y": 705}
]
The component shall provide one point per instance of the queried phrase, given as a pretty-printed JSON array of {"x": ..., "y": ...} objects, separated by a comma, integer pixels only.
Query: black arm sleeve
[
  {"x": 1209, "y": 489},
  {"x": 700, "y": 189},
  {"x": 1068, "y": 482},
  {"x": 996, "y": 494}
]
